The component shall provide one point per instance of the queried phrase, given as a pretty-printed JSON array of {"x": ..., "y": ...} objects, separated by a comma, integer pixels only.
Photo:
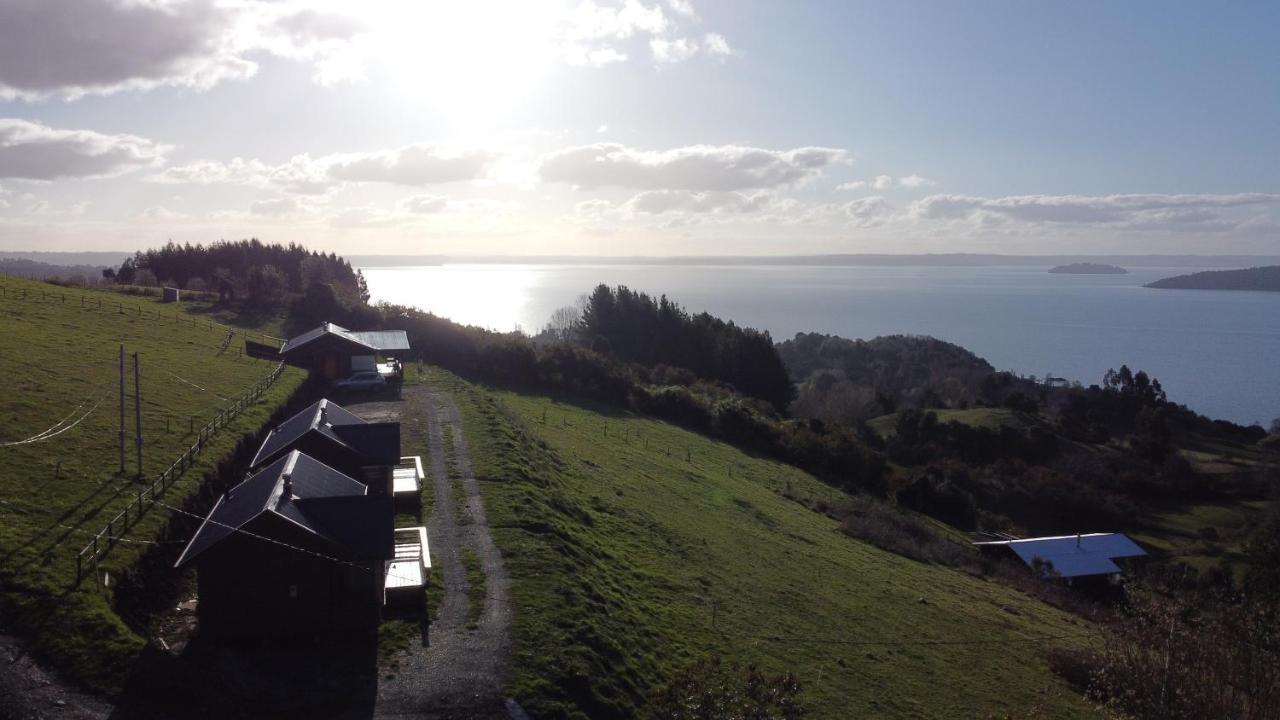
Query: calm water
[{"x": 1218, "y": 352}]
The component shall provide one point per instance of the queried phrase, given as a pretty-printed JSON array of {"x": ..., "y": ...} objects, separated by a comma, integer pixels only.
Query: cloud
[
  {"x": 716, "y": 46},
  {"x": 868, "y": 211},
  {"x": 673, "y": 51},
  {"x": 656, "y": 202},
  {"x": 1135, "y": 211},
  {"x": 915, "y": 181},
  {"x": 697, "y": 167},
  {"x": 884, "y": 182},
  {"x": 32, "y": 151},
  {"x": 278, "y": 207},
  {"x": 425, "y": 204},
  {"x": 413, "y": 165}
]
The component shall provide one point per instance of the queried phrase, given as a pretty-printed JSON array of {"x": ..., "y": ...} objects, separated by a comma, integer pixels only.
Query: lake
[{"x": 1215, "y": 351}]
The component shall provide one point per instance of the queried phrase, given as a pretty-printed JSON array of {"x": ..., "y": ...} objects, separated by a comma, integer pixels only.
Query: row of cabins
[{"x": 307, "y": 543}]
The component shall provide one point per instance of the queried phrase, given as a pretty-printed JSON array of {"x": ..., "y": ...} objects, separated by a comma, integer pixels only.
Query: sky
[{"x": 642, "y": 127}]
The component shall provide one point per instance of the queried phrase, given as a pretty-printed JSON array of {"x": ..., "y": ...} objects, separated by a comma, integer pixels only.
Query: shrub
[{"x": 714, "y": 690}]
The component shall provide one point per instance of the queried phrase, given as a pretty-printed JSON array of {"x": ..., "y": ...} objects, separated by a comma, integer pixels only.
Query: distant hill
[
  {"x": 37, "y": 270},
  {"x": 1257, "y": 278},
  {"x": 1088, "y": 268}
]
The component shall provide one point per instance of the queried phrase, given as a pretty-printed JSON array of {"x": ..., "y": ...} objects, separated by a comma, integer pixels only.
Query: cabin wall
[{"x": 250, "y": 587}]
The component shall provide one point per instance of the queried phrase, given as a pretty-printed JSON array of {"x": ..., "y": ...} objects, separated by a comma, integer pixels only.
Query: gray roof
[
  {"x": 1075, "y": 555},
  {"x": 372, "y": 340},
  {"x": 378, "y": 442},
  {"x": 303, "y": 490}
]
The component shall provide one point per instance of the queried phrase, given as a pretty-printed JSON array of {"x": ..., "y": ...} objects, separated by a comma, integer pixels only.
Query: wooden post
[
  {"x": 137, "y": 407},
  {"x": 121, "y": 408}
]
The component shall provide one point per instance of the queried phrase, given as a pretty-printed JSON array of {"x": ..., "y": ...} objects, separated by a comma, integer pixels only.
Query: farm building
[
  {"x": 1088, "y": 558},
  {"x": 298, "y": 547},
  {"x": 367, "y": 451},
  {"x": 332, "y": 352}
]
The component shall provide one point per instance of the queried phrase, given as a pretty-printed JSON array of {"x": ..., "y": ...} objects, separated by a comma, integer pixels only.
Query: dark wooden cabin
[
  {"x": 327, "y": 350},
  {"x": 297, "y": 548},
  {"x": 367, "y": 451}
]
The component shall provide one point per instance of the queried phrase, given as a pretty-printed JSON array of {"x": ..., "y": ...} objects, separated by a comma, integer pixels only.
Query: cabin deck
[
  {"x": 406, "y": 478},
  {"x": 411, "y": 565}
]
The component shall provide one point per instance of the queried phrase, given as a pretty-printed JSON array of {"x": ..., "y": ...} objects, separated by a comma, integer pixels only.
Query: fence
[{"x": 106, "y": 538}]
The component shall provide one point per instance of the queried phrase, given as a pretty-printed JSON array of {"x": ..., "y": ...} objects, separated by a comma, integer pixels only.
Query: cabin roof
[
  {"x": 306, "y": 492},
  {"x": 377, "y": 442},
  {"x": 372, "y": 340},
  {"x": 1074, "y": 555}
]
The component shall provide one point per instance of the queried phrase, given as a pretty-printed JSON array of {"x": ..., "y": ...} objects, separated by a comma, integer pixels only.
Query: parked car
[{"x": 363, "y": 380}]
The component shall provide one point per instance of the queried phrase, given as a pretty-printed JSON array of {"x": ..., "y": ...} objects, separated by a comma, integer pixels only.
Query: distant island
[
  {"x": 1088, "y": 268},
  {"x": 1257, "y": 278}
]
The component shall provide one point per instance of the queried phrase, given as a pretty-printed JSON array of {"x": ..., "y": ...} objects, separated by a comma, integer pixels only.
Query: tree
[
  {"x": 265, "y": 284},
  {"x": 109, "y": 274},
  {"x": 144, "y": 277},
  {"x": 565, "y": 324}
]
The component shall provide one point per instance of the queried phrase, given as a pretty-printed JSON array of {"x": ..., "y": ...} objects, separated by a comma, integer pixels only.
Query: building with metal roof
[
  {"x": 1071, "y": 556},
  {"x": 328, "y": 350},
  {"x": 367, "y": 451},
  {"x": 297, "y": 547}
]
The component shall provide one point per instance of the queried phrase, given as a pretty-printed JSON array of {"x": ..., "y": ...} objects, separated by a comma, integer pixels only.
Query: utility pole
[
  {"x": 137, "y": 413},
  {"x": 121, "y": 408}
]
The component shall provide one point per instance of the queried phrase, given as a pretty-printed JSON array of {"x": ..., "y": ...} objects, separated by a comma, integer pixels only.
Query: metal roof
[
  {"x": 383, "y": 339},
  {"x": 1075, "y": 555},
  {"x": 377, "y": 442},
  {"x": 372, "y": 340},
  {"x": 285, "y": 487}
]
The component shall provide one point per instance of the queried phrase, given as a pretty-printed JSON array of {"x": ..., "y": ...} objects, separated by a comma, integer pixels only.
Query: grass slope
[
  {"x": 60, "y": 353},
  {"x": 629, "y": 560}
]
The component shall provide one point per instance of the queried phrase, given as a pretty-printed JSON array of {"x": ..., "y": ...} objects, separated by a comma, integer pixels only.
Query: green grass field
[
  {"x": 636, "y": 547},
  {"x": 61, "y": 361}
]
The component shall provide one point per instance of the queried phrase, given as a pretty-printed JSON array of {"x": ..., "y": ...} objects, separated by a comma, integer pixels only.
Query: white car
[{"x": 363, "y": 380}]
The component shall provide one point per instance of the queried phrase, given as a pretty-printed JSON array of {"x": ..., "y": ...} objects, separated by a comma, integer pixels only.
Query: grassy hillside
[
  {"x": 60, "y": 360},
  {"x": 636, "y": 547}
]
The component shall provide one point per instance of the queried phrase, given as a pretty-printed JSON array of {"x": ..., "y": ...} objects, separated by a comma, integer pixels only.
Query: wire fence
[{"x": 103, "y": 541}]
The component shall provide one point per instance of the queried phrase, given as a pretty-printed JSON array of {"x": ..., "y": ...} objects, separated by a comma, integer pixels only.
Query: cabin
[
  {"x": 367, "y": 451},
  {"x": 297, "y": 548},
  {"x": 1088, "y": 559},
  {"x": 332, "y": 352}
]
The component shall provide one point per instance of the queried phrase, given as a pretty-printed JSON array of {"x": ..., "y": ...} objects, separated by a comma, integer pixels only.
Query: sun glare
[{"x": 468, "y": 60}]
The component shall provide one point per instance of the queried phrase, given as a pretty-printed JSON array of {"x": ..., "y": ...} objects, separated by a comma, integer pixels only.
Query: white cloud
[
  {"x": 413, "y": 165},
  {"x": 33, "y": 151},
  {"x": 655, "y": 202},
  {"x": 915, "y": 181},
  {"x": 696, "y": 167},
  {"x": 161, "y": 213},
  {"x": 425, "y": 204},
  {"x": 1134, "y": 211},
  {"x": 683, "y": 7},
  {"x": 885, "y": 182},
  {"x": 868, "y": 211},
  {"x": 717, "y": 46},
  {"x": 673, "y": 51},
  {"x": 278, "y": 207}
]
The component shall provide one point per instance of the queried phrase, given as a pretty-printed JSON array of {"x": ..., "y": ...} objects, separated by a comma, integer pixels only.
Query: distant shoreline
[
  {"x": 838, "y": 260},
  {"x": 1256, "y": 279}
]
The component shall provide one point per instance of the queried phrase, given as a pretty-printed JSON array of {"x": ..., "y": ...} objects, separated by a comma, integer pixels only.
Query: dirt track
[{"x": 462, "y": 671}]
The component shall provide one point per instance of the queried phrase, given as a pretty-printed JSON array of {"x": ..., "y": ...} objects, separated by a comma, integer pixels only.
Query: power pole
[
  {"x": 137, "y": 413},
  {"x": 121, "y": 408}
]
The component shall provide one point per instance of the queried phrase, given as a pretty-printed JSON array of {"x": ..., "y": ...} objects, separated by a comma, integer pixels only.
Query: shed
[
  {"x": 328, "y": 350},
  {"x": 170, "y": 294},
  {"x": 367, "y": 451},
  {"x": 1072, "y": 556},
  {"x": 298, "y": 547}
]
